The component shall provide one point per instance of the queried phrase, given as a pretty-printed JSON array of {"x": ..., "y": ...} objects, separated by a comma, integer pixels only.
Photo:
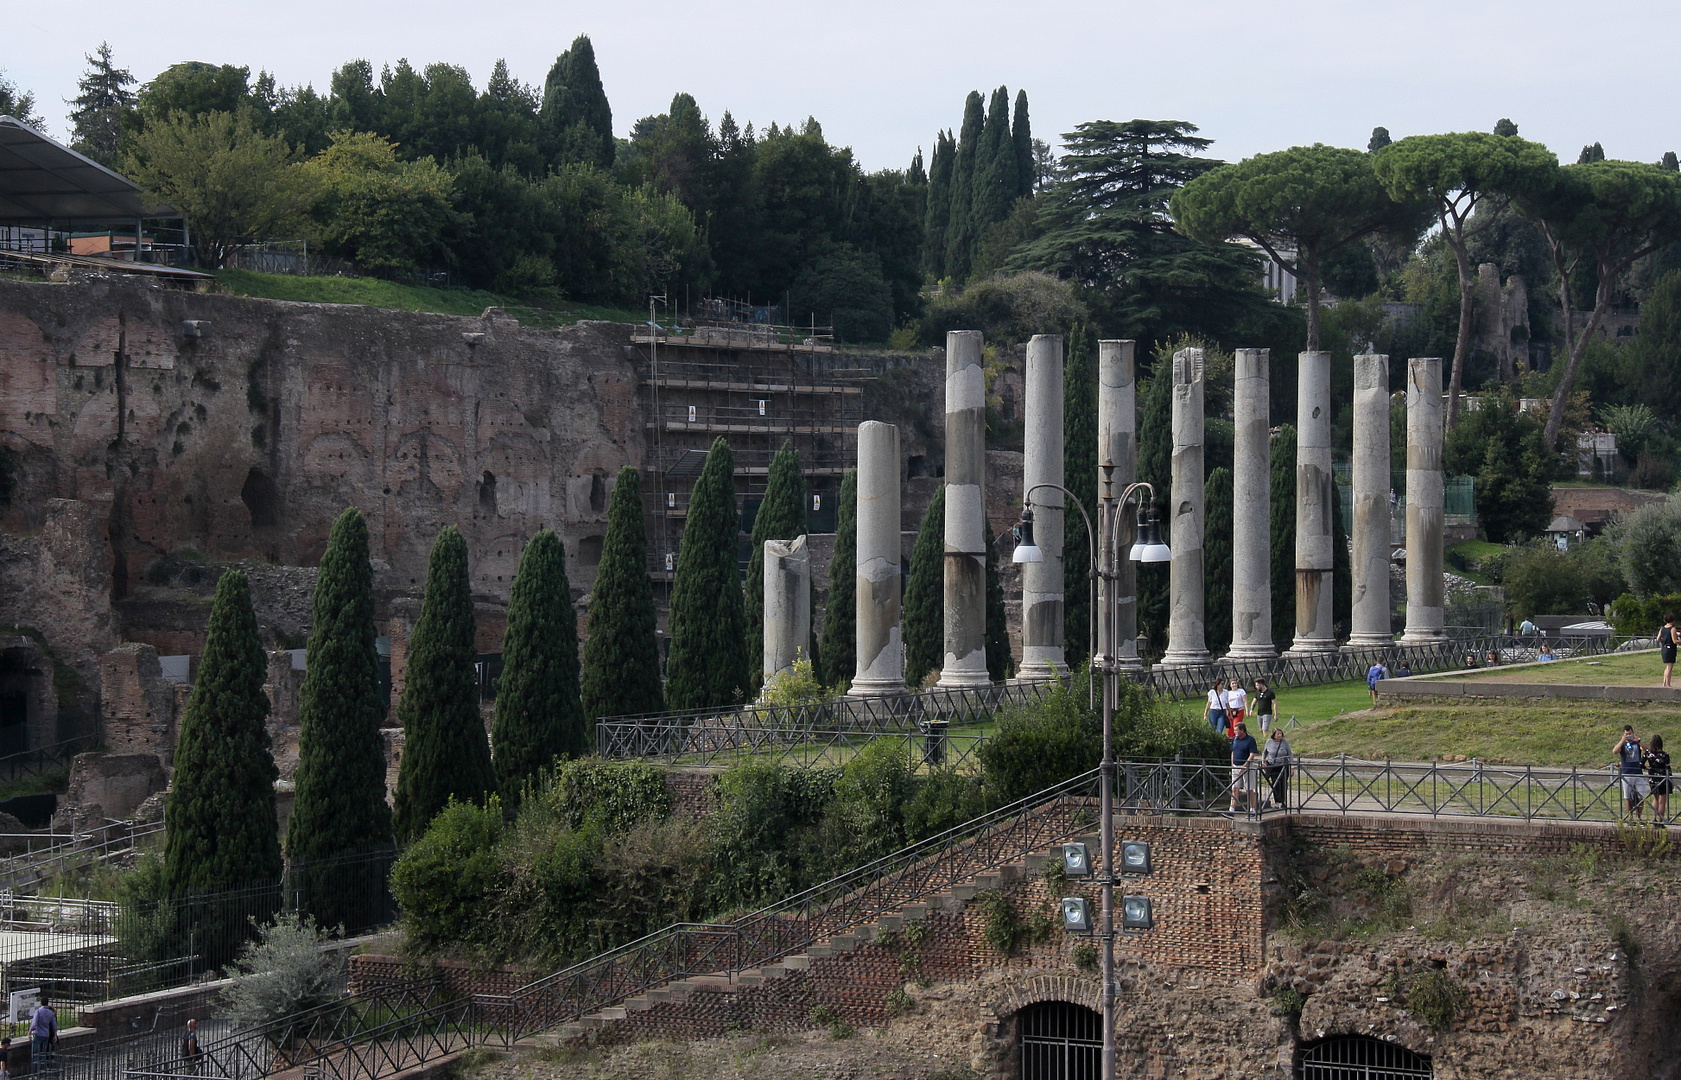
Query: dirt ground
[{"x": 814, "y": 1055}]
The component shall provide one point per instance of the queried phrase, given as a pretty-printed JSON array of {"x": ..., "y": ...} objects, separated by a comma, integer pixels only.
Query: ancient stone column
[
  {"x": 966, "y": 527},
  {"x": 1117, "y": 466},
  {"x": 1314, "y": 633},
  {"x": 1042, "y": 598},
  {"x": 1369, "y": 625},
  {"x": 1426, "y": 619},
  {"x": 880, "y": 649},
  {"x": 1252, "y": 509},
  {"x": 787, "y": 604},
  {"x": 1187, "y": 643}
]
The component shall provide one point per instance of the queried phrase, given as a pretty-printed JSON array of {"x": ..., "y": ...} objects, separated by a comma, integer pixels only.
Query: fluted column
[
  {"x": 1426, "y": 617},
  {"x": 1252, "y": 508},
  {"x": 1042, "y": 584},
  {"x": 880, "y": 647},
  {"x": 1187, "y": 641},
  {"x": 1314, "y": 632},
  {"x": 1369, "y": 624},
  {"x": 1117, "y": 465},
  {"x": 965, "y": 549}
]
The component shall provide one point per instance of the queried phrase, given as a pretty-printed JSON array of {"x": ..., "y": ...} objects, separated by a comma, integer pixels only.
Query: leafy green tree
[
  {"x": 622, "y": 655},
  {"x": 1650, "y": 538},
  {"x": 843, "y": 287},
  {"x": 18, "y": 104},
  {"x": 382, "y": 212},
  {"x": 1217, "y": 559},
  {"x": 233, "y": 183},
  {"x": 539, "y": 715},
  {"x": 938, "y": 218},
  {"x": 1283, "y": 530},
  {"x": 340, "y": 803},
  {"x": 1380, "y": 139},
  {"x": 1079, "y": 471},
  {"x": 999, "y": 663},
  {"x": 925, "y": 595},
  {"x": 1502, "y": 448},
  {"x": 222, "y": 833},
  {"x": 1021, "y": 140},
  {"x": 101, "y": 106},
  {"x": 961, "y": 231},
  {"x": 1602, "y": 216},
  {"x": 1301, "y": 206},
  {"x": 575, "y": 110},
  {"x": 839, "y": 651},
  {"x": 1459, "y": 173},
  {"x": 196, "y": 89},
  {"x": 708, "y": 664},
  {"x": 1505, "y": 128},
  {"x": 1651, "y": 368},
  {"x": 445, "y": 754},
  {"x": 781, "y": 516},
  {"x": 1006, "y": 307}
]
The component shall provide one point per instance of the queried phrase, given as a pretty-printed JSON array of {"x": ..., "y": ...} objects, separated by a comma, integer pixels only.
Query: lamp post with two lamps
[{"x": 1105, "y": 563}]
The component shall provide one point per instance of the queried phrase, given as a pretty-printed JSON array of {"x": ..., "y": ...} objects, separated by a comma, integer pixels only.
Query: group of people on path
[
  {"x": 1644, "y": 770},
  {"x": 1228, "y": 705}
]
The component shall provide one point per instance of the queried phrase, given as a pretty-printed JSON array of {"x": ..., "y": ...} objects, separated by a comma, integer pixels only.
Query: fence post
[{"x": 1176, "y": 776}]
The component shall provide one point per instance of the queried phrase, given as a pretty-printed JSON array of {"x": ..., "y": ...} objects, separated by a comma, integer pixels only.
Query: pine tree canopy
[
  {"x": 539, "y": 715},
  {"x": 708, "y": 664},
  {"x": 925, "y": 595},
  {"x": 573, "y": 98},
  {"x": 222, "y": 831},
  {"x": 622, "y": 653},
  {"x": 840, "y": 615},
  {"x": 445, "y": 753}
]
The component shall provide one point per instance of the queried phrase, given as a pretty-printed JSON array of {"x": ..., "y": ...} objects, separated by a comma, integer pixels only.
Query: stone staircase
[{"x": 951, "y": 900}]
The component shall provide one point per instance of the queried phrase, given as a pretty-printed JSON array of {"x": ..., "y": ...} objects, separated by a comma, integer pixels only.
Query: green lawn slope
[{"x": 375, "y": 292}]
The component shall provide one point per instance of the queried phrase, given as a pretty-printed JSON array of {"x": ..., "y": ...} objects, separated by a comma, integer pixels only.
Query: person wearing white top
[
  {"x": 1217, "y": 705},
  {"x": 1236, "y": 702}
]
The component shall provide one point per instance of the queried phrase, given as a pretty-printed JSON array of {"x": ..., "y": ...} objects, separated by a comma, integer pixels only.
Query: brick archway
[{"x": 1079, "y": 989}]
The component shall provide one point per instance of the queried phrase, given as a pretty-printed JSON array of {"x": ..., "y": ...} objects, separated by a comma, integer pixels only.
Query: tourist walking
[
  {"x": 1236, "y": 702},
  {"x": 1658, "y": 780},
  {"x": 1266, "y": 704},
  {"x": 1631, "y": 760},
  {"x": 192, "y": 1054},
  {"x": 1243, "y": 771},
  {"x": 1217, "y": 706},
  {"x": 1667, "y": 641},
  {"x": 1374, "y": 675},
  {"x": 43, "y": 1035},
  {"x": 1275, "y": 760}
]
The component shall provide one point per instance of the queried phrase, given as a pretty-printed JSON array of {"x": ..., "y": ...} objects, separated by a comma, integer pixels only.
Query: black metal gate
[
  {"x": 1059, "y": 1041},
  {"x": 1361, "y": 1057}
]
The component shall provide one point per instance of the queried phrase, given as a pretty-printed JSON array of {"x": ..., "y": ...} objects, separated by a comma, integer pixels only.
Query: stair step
[
  {"x": 843, "y": 942},
  {"x": 613, "y": 1012},
  {"x": 640, "y": 1004},
  {"x": 797, "y": 962},
  {"x": 914, "y": 912},
  {"x": 964, "y": 893},
  {"x": 891, "y": 924}
]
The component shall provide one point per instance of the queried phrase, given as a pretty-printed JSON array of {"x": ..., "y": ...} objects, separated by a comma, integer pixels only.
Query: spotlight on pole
[
  {"x": 1135, "y": 857},
  {"x": 1076, "y": 916},
  {"x": 1135, "y": 913},
  {"x": 1075, "y": 861}
]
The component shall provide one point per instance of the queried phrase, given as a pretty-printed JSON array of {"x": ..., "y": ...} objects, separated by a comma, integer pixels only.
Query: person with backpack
[{"x": 1374, "y": 675}]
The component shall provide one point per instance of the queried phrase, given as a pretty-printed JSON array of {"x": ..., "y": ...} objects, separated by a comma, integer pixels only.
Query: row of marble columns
[{"x": 880, "y": 646}]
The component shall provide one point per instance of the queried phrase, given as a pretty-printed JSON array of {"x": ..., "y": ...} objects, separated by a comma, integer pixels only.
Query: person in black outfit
[
  {"x": 1667, "y": 639},
  {"x": 1658, "y": 777}
]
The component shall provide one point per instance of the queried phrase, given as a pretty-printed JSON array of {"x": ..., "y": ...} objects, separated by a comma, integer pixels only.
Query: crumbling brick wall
[{"x": 137, "y": 704}]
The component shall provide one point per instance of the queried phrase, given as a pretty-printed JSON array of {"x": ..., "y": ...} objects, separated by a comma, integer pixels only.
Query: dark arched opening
[
  {"x": 598, "y": 491},
  {"x": 1360, "y": 1057},
  {"x": 16, "y": 673},
  {"x": 261, "y": 498},
  {"x": 487, "y": 493},
  {"x": 1059, "y": 1040}
]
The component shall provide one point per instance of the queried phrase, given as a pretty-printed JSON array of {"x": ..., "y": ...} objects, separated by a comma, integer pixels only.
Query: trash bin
[{"x": 934, "y": 741}]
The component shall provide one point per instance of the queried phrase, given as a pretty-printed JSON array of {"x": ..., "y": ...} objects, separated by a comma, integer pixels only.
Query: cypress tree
[
  {"x": 445, "y": 754},
  {"x": 539, "y": 715},
  {"x": 840, "y": 616},
  {"x": 1021, "y": 139},
  {"x": 222, "y": 833},
  {"x": 1217, "y": 559},
  {"x": 709, "y": 664},
  {"x": 574, "y": 99},
  {"x": 1000, "y": 664},
  {"x": 925, "y": 595},
  {"x": 1079, "y": 473},
  {"x": 997, "y": 176},
  {"x": 1284, "y": 536},
  {"x": 1155, "y": 455},
  {"x": 340, "y": 805},
  {"x": 960, "y": 231},
  {"x": 1342, "y": 576},
  {"x": 622, "y": 652},
  {"x": 937, "y": 215},
  {"x": 781, "y": 516}
]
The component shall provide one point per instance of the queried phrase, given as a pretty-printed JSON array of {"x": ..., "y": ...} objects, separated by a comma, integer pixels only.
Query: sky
[{"x": 882, "y": 76}]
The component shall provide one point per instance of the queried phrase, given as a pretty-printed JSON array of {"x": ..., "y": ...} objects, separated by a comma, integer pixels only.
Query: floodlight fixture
[
  {"x": 1135, "y": 857},
  {"x": 1076, "y": 862},
  {"x": 1076, "y": 914},
  {"x": 1135, "y": 913}
]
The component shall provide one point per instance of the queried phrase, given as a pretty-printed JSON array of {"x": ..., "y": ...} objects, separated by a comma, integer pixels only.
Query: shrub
[
  {"x": 1084, "y": 956},
  {"x": 1436, "y": 998},
  {"x": 1007, "y": 308},
  {"x": 1001, "y": 927},
  {"x": 795, "y": 686},
  {"x": 1649, "y": 542},
  {"x": 1040, "y": 745},
  {"x": 1636, "y": 616},
  {"x": 899, "y": 1003},
  {"x": 944, "y": 800},
  {"x": 611, "y": 795},
  {"x": 285, "y": 971},
  {"x": 442, "y": 879}
]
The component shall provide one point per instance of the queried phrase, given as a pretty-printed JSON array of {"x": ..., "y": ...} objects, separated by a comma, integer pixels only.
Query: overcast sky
[{"x": 882, "y": 76}]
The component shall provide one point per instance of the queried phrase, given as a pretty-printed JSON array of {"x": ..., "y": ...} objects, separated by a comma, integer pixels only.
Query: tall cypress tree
[
  {"x": 997, "y": 176},
  {"x": 937, "y": 215},
  {"x": 539, "y": 715},
  {"x": 1079, "y": 473},
  {"x": 999, "y": 663},
  {"x": 960, "y": 231},
  {"x": 574, "y": 99},
  {"x": 840, "y": 616},
  {"x": 781, "y": 516},
  {"x": 340, "y": 805},
  {"x": 708, "y": 663},
  {"x": 445, "y": 754},
  {"x": 925, "y": 595},
  {"x": 1021, "y": 139},
  {"x": 1155, "y": 456},
  {"x": 622, "y": 652},
  {"x": 1284, "y": 536},
  {"x": 1342, "y": 577},
  {"x": 1217, "y": 559}
]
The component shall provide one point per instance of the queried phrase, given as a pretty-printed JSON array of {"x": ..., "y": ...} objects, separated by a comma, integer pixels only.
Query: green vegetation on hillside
[
  {"x": 1629, "y": 669},
  {"x": 1568, "y": 734},
  {"x": 375, "y": 292}
]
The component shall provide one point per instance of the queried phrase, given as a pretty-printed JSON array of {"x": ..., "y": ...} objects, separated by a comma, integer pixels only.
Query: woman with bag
[
  {"x": 1275, "y": 762},
  {"x": 1217, "y": 706}
]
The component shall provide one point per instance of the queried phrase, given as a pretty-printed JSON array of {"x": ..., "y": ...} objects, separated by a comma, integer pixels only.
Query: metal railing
[
  {"x": 44, "y": 759},
  {"x": 68, "y": 851},
  {"x": 1457, "y": 789}
]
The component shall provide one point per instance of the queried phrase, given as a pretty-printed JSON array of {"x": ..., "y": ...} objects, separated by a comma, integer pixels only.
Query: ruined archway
[
  {"x": 261, "y": 499},
  {"x": 1359, "y": 1057}
]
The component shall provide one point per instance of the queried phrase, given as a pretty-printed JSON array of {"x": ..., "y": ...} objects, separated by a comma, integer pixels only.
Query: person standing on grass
[
  {"x": 1275, "y": 759},
  {"x": 1217, "y": 706},
  {"x": 1243, "y": 770},
  {"x": 1667, "y": 640},
  {"x": 1658, "y": 779},
  {"x": 1236, "y": 702},
  {"x": 1374, "y": 675},
  {"x": 1631, "y": 760},
  {"x": 1266, "y": 704}
]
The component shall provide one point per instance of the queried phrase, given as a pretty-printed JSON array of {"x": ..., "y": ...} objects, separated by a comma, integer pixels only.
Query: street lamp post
[{"x": 1105, "y": 560}]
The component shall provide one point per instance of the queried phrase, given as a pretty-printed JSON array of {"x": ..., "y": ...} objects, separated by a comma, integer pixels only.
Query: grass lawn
[
  {"x": 375, "y": 292},
  {"x": 1627, "y": 669}
]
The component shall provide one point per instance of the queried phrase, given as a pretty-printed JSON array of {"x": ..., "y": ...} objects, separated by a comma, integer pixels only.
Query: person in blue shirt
[
  {"x": 1243, "y": 770},
  {"x": 1631, "y": 760},
  {"x": 1374, "y": 675}
]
